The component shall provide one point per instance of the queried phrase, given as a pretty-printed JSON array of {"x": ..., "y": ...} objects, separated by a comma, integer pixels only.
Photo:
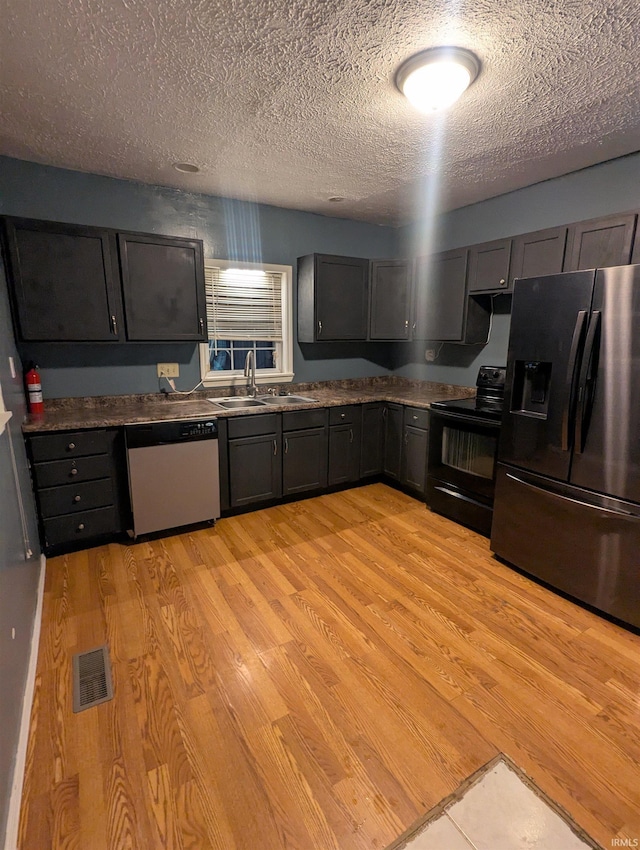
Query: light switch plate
[{"x": 168, "y": 370}]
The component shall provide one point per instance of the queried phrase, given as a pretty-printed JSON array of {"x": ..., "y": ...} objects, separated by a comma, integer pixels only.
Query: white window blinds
[{"x": 243, "y": 304}]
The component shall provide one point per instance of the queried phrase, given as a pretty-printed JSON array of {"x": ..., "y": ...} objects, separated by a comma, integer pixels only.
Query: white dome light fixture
[{"x": 434, "y": 79}]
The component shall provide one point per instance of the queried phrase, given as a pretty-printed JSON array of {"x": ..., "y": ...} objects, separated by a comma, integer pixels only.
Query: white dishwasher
[{"x": 174, "y": 478}]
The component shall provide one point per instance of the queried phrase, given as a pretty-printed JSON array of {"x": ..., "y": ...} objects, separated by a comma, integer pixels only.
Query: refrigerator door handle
[
  {"x": 592, "y": 505},
  {"x": 572, "y": 374},
  {"x": 586, "y": 386}
]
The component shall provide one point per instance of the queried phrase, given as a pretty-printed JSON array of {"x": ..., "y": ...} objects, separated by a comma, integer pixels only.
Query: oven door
[{"x": 461, "y": 468}]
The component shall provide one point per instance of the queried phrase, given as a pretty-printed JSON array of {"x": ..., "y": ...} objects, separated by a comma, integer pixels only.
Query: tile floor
[{"x": 499, "y": 812}]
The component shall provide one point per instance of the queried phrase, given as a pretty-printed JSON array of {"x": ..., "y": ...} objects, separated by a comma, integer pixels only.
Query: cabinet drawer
[
  {"x": 417, "y": 417},
  {"x": 68, "y": 498},
  {"x": 296, "y": 420},
  {"x": 81, "y": 526},
  {"x": 69, "y": 444},
  {"x": 54, "y": 472},
  {"x": 253, "y": 426},
  {"x": 346, "y": 414}
]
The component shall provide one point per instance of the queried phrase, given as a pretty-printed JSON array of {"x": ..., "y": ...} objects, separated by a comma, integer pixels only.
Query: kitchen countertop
[{"x": 109, "y": 411}]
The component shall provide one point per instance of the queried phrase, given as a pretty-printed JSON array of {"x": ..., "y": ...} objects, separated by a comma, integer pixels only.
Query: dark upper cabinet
[
  {"x": 390, "y": 305},
  {"x": 440, "y": 296},
  {"x": 69, "y": 283},
  {"x": 537, "y": 254},
  {"x": 600, "y": 242},
  {"x": 64, "y": 280},
  {"x": 635, "y": 256},
  {"x": 489, "y": 266},
  {"x": 163, "y": 287},
  {"x": 333, "y": 298}
]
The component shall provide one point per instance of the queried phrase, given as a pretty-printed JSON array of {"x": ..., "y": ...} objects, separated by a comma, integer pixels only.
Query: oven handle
[
  {"x": 472, "y": 420},
  {"x": 457, "y": 495}
]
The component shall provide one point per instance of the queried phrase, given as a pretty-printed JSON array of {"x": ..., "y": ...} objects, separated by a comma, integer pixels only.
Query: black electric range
[{"x": 489, "y": 396}]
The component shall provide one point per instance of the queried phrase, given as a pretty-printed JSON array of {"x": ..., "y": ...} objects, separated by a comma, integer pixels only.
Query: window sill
[{"x": 223, "y": 379}]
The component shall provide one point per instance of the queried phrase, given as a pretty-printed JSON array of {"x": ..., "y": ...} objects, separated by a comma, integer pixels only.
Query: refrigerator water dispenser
[{"x": 531, "y": 387}]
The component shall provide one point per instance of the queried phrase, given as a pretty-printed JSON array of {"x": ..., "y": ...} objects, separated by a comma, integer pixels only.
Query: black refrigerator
[{"x": 567, "y": 497}]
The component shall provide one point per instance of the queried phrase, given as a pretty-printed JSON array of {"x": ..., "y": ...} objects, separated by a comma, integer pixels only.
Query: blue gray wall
[
  {"x": 18, "y": 576},
  {"x": 229, "y": 229},
  {"x": 605, "y": 189}
]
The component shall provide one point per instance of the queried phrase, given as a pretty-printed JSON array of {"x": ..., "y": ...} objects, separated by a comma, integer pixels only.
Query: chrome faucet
[{"x": 250, "y": 373}]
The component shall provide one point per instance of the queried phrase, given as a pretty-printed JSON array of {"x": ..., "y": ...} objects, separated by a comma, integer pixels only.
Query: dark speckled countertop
[{"x": 108, "y": 411}]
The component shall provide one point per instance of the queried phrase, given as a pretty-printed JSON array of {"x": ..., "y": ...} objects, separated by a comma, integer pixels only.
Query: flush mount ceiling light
[
  {"x": 435, "y": 78},
  {"x": 186, "y": 167}
]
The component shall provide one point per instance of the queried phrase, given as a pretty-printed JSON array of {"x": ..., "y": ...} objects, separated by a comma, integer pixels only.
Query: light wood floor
[{"x": 316, "y": 676}]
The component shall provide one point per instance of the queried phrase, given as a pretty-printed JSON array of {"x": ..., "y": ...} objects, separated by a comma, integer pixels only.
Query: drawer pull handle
[
  {"x": 319, "y": 328},
  {"x": 201, "y": 323},
  {"x": 74, "y": 472},
  {"x": 275, "y": 447},
  {"x": 81, "y": 527},
  {"x": 350, "y": 435},
  {"x": 286, "y": 446},
  {"x": 76, "y": 498},
  {"x": 114, "y": 326},
  {"x": 414, "y": 416},
  {"x": 71, "y": 446}
]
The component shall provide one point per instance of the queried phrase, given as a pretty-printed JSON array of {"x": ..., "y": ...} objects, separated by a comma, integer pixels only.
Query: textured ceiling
[{"x": 290, "y": 102}]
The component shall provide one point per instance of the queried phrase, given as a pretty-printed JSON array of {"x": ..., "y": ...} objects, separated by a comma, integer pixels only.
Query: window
[{"x": 248, "y": 309}]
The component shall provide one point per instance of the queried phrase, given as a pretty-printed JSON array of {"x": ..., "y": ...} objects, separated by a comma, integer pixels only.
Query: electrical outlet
[
  {"x": 430, "y": 355},
  {"x": 168, "y": 370}
]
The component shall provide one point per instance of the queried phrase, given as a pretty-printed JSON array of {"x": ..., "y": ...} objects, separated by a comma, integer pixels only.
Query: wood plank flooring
[{"x": 316, "y": 676}]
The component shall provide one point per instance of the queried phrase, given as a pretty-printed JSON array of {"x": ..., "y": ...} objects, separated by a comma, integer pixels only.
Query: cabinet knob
[
  {"x": 74, "y": 472},
  {"x": 414, "y": 416},
  {"x": 71, "y": 446},
  {"x": 342, "y": 415},
  {"x": 81, "y": 527},
  {"x": 502, "y": 281},
  {"x": 76, "y": 498}
]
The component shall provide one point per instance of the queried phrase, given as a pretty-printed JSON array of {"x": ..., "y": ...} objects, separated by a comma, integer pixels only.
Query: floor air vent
[{"x": 91, "y": 678}]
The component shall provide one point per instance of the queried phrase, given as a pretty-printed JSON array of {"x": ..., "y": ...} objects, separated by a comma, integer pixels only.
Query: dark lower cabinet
[
  {"x": 344, "y": 444},
  {"x": 392, "y": 458},
  {"x": 372, "y": 439},
  {"x": 250, "y": 460},
  {"x": 304, "y": 460},
  {"x": 80, "y": 480},
  {"x": 415, "y": 445}
]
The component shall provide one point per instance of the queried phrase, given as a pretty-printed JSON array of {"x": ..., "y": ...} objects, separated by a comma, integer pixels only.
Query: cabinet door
[
  {"x": 440, "y": 295},
  {"x": 537, "y": 254},
  {"x": 414, "y": 458},
  {"x": 372, "y": 443},
  {"x": 333, "y": 298},
  {"x": 489, "y": 266},
  {"x": 254, "y": 470},
  {"x": 304, "y": 460},
  {"x": 63, "y": 282},
  {"x": 599, "y": 243},
  {"x": 393, "y": 441},
  {"x": 163, "y": 287},
  {"x": 344, "y": 453},
  {"x": 390, "y": 310}
]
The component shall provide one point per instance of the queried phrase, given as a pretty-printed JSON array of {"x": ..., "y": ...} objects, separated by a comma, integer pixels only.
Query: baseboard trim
[{"x": 13, "y": 816}]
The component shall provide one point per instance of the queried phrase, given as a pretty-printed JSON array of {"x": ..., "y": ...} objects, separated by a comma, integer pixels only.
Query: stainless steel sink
[
  {"x": 287, "y": 399},
  {"x": 236, "y": 401}
]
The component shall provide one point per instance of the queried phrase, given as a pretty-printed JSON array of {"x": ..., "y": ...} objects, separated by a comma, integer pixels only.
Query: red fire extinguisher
[{"x": 34, "y": 392}]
